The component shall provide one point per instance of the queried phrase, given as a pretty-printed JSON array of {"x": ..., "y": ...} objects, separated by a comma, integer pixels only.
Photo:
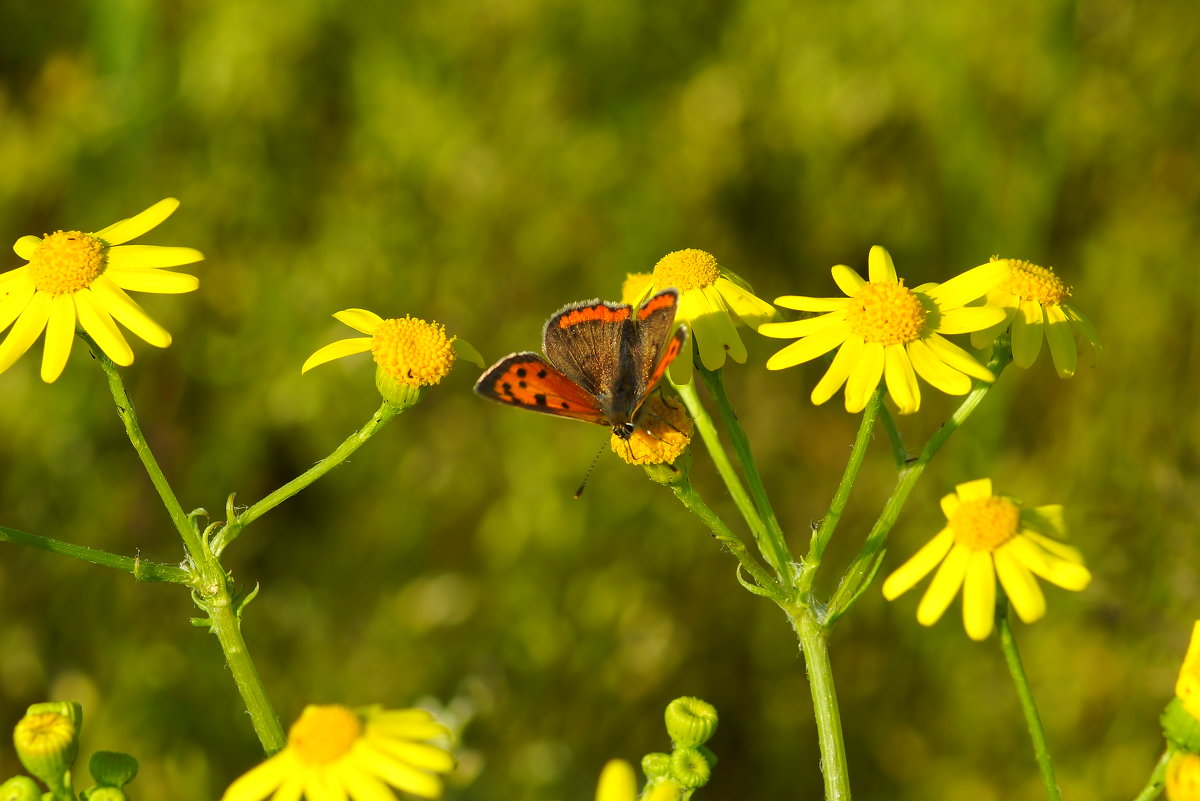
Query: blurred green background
[{"x": 483, "y": 163}]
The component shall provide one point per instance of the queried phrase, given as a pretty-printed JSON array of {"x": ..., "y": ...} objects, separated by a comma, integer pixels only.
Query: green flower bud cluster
[
  {"x": 691, "y": 723},
  {"x": 47, "y": 742}
]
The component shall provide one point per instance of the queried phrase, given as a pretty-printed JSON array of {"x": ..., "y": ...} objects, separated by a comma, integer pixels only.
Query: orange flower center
[
  {"x": 46, "y": 733},
  {"x": 66, "y": 262},
  {"x": 985, "y": 524},
  {"x": 412, "y": 351},
  {"x": 1032, "y": 282},
  {"x": 324, "y": 734},
  {"x": 890, "y": 314},
  {"x": 663, "y": 433},
  {"x": 686, "y": 270}
]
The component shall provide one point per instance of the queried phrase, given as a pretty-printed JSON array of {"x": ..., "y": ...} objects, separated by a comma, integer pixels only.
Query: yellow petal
[
  {"x": 1084, "y": 325},
  {"x": 864, "y": 378},
  {"x": 905, "y": 577},
  {"x": 974, "y": 283},
  {"x": 1062, "y": 342},
  {"x": 20, "y": 291},
  {"x": 880, "y": 267},
  {"x": 1048, "y": 519},
  {"x": 801, "y": 328},
  {"x": 163, "y": 282},
  {"x": 360, "y": 320},
  {"x": 100, "y": 327},
  {"x": 680, "y": 370},
  {"x": 979, "y": 596},
  {"x": 336, "y": 350},
  {"x": 981, "y": 339},
  {"x": 944, "y": 586},
  {"x": 939, "y": 374},
  {"x": 394, "y": 772},
  {"x": 128, "y": 313},
  {"x": 957, "y": 358},
  {"x": 805, "y": 303},
  {"x": 151, "y": 257},
  {"x": 848, "y": 280},
  {"x": 1056, "y": 548},
  {"x": 950, "y": 504},
  {"x": 749, "y": 308},
  {"x": 25, "y": 330},
  {"x": 1027, "y": 334},
  {"x": 26, "y": 245},
  {"x": 60, "y": 333},
  {"x": 323, "y": 785},
  {"x": 843, "y": 364},
  {"x": 970, "y": 318},
  {"x": 808, "y": 348},
  {"x": 617, "y": 782},
  {"x": 418, "y": 755},
  {"x": 1020, "y": 586},
  {"x": 133, "y": 227},
  {"x": 1060, "y": 572},
  {"x": 900, "y": 378},
  {"x": 259, "y": 782},
  {"x": 716, "y": 336},
  {"x": 975, "y": 490},
  {"x": 293, "y": 787}
]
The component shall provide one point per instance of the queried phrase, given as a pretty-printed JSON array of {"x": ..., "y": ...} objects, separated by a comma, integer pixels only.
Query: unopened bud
[
  {"x": 47, "y": 740},
  {"x": 690, "y": 721}
]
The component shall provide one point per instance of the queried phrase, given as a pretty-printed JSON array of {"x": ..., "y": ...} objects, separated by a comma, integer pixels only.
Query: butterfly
[{"x": 602, "y": 361}]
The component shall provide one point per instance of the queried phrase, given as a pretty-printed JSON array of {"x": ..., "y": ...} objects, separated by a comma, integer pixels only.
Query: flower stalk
[
  {"x": 141, "y": 569},
  {"x": 1012, "y": 656}
]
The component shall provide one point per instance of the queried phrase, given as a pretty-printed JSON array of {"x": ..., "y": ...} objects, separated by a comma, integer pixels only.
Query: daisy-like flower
[
  {"x": 713, "y": 301},
  {"x": 987, "y": 536},
  {"x": 334, "y": 752},
  {"x": 884, "y": 330},
  {"x": 1035, "y": 299},
  {"x": 76, "y": 277},
  {"x": 662, "y": 434},
  {"x": 411, "y": 354},
  {"x": 1187, "y": 686}
]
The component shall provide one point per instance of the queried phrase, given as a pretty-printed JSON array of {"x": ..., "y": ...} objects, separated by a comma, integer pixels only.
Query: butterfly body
[{"x": 602, "y": 360}]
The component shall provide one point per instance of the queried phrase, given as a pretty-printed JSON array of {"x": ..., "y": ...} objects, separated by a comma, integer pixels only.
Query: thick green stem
[
  {"x": 696, "y": 505},
  {"x": 776, "y": 552},
  {"x": 1041, "y": 750},
  {"x": 210, "y": 587},
  {"x": 141, "y": 569},
  {"x": 352, "y": 443},
  {"x": 1154, "y": 785},
  {"x": 811, "y": 634},
  {"x": 866, "y": 564},
  {"x": 712, "y": 441},
  {"x": 841, "y": 496}
]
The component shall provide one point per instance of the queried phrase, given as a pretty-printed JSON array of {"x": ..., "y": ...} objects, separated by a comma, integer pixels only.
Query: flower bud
[
  {"x": 47, "y": 740},
  {"x": 690, "y": 767},
  {"x": 104, "y": 793},
  {"x": 690, "y": 721},
  {"x": 112, "y": 768},
  {"x": 656, "y": 766},
  {"x": 20, "y": 788},
  {"x": 1180, "y": 728}
]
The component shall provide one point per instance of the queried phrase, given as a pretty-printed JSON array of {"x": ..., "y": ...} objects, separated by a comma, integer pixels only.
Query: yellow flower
[
  {"x": 988, "y": 536},
  {"x": 334, "y": 752},
  {"x": 713, "y": 301},
  {"x": 72, "y": 276},
  {"x": 663, "y": 433},
  {"x": 1033, "y": 299},
  {"x": 409, "y": 351},
  {"x": 884, "y": 330},
  {"x": 1187, "y": 686},
  {"x": 619, "y": 783},
  {"x": 1183, "y": 777}
]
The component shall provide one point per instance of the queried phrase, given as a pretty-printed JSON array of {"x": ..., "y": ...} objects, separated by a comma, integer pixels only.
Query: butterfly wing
[
  {"x": 530, "y": 382},
  {"x": 583, "y": 340},
  {"x": 651, "y": 350}
]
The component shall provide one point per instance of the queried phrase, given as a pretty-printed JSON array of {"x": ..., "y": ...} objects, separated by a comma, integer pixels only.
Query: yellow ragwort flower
[
  {"x": 884, "y": 330},
  {"x": 334, "y": 752},
  {"x": 713, "y": 301},
  {"x": 987, "y": 536},
  {"x": 1035, "y": 299},
  {"x": 76, "y": 277},
  {"x": 410, "y": 351},
  {"x": 618, "y": 782},
  {"x": 1187, "y": 686},
  {"x": 1183, "y": 777},
  {"x": 662, "y": 434}
]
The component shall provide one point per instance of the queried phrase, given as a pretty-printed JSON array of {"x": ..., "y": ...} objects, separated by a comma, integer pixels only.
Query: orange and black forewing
[{"x": 528, "y": 381}]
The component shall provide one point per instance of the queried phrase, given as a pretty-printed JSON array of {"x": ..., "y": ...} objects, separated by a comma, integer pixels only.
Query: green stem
[
  {"x": 141, "y": 569},
  {"x": 776, "y": 553},
  {"x": 211, "y": 588},
  {"x": 899, "y": 456},
  {"x": 712, "y": 441},
  {"x": 1154, "y": 785},
  {"x": 866, "y": 564},
  {"x": 352, "y": 443},
  {"x": 1012, "y": 656},
  {"x": 696, "y": 505},
  {"x": 811, "y": 634},
  {"x": 841, "y": 497}
]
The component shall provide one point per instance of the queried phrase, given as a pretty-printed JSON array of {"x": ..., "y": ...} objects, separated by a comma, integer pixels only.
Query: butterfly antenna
[{"x": 588, "y": 474}]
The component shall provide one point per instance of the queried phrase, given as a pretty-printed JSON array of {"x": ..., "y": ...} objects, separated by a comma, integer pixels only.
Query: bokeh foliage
[{"x": 482, "y": 163}]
